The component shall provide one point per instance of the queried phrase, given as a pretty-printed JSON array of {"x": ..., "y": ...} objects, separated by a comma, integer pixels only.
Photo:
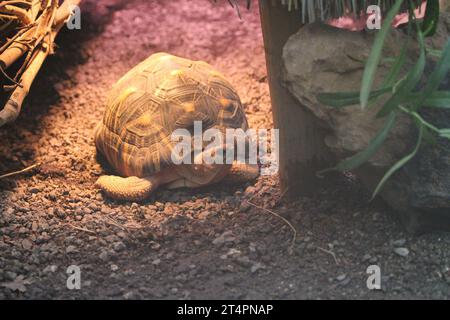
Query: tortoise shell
[{"x": 161, "y": 94}]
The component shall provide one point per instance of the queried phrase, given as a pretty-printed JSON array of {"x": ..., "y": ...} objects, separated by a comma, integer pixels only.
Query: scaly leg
[
  {"x": 128, "y": 189},
  {"x": 241, "y": 173}
]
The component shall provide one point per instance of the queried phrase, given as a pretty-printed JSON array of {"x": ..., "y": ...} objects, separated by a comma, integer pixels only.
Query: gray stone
[
  {"x": 10, "y": 275},
  {"x": 119, "y": 246},
  {"x": 399, "y": 242},
  {"x": 403, "y": 252},
  {"x": 27, "y": 244},
  {"x": 51, "y": 268},
  {"x": 103, "y": 255},
  {"x": 225, "y": 237},
  {"x": 114, "y": 267},
  {"x": 257, "y": 266},
  {"x": 341, "y": 277},
  {"x": 71, "y": 249}
]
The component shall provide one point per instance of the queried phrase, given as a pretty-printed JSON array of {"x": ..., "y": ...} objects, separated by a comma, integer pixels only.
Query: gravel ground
[{"x": 217, "y": 242}]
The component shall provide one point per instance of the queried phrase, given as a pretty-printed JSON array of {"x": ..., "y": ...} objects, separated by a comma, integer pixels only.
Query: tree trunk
[{"x": 302, "y": 149}]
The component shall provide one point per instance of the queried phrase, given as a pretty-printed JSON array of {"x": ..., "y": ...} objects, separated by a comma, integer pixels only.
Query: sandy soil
[{"x": 208, "y": 243}]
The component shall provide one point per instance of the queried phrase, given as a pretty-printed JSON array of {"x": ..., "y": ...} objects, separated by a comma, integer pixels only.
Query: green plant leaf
[
  {"x": 391, "y": 78},
  {"x": 438, "y": 99},
  {"x": 344, "y": 99},
  {"x": 408, "y": 84},
  {"x": 400, "y": 163},
  {"x": 375, "y": 55},
  {"x": 444, "y": 133},
  {"x": 429, "y": 137},
  {"x": 431, "y": 19},
  {"x": 396, "y": 68},
  {"x": 440, "y": 71},
  {"x": 419, "y": 119}
]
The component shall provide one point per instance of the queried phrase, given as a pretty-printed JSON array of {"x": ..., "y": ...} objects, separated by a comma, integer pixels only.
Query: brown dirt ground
[{"x": 207, "y": 243}]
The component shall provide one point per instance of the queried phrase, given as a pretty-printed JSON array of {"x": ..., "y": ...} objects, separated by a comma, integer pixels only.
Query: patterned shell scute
[{"x": 159, "y": 95}]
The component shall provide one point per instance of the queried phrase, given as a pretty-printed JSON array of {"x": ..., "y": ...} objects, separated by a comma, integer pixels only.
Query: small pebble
[
  {"x": 399, "y": 243},
  {"x": 27, "y": 244},
  {"x": 71, "y": 249},
  {"x": 341, "y": 277},
  {"x": 403, "y": 252}
]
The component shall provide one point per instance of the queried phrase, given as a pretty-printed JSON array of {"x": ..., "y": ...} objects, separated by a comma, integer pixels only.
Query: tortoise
[{"x": 161, "y": 94}]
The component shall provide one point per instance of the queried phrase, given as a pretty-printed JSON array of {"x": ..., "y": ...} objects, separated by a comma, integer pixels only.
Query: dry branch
[
  {"x": 28, "y": 29},
  {"x": 294, "y": 231},
  {"x": 19, "y": 172}
]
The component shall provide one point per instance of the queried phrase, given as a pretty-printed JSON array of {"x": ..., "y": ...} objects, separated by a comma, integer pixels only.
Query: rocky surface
[
  {"x": 209, "y": 243},
  {"x": 441, "y": 36},
  {"x": 321, "y": 58}
]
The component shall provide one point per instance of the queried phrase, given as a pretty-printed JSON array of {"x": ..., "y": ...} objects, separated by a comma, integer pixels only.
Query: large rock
[{"x": 320, "y": 58}]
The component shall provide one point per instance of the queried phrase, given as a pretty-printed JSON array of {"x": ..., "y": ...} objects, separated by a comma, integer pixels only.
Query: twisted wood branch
[{"x": 38, "y": 23}]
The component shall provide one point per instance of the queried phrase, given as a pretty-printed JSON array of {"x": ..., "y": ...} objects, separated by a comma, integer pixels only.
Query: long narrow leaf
[
  {"x": 410, "y": 82},
  {"x": 399, "y": 63},
  {"x": 344, "y": 99},
  {"x": 431, "y": 19},
  {"x": 445, "y": 133},
  {"x": 400, "y": 163},
  {"x": 437, "y": 76},
  {"x": 396, "y": 68},
  {"x": 375, "y": 55},
  {"x": 438, "y": 99}
]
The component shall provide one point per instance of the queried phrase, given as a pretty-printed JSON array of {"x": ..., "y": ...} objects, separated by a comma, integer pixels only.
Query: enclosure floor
[{"x": 208, "y": 243}]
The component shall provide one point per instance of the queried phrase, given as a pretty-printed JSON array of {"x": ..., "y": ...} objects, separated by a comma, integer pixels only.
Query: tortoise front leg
[
  {"x": 128, "y": 189},
  {"x": 241, "y": 173},
  {"x": 134, "y": 188}
]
